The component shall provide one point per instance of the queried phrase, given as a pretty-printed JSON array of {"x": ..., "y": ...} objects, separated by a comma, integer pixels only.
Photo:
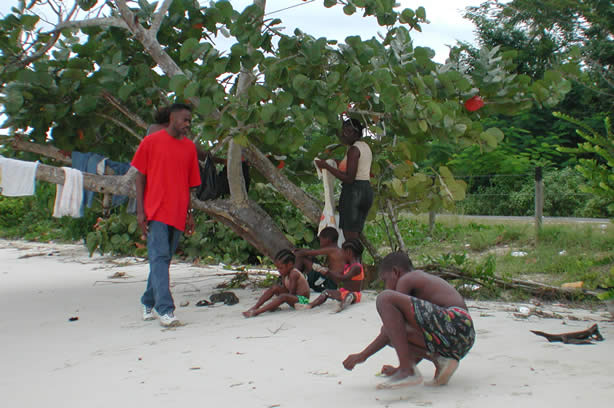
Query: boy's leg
[
  {"x": 269, "y": 293},
  {"x": 328, "y": 293},
  {"x": 161, "y": 242},
  {"x": 444, "y": 368},
  {"x": 275, "y": 303},
  {"x": 399, "y": 324}
]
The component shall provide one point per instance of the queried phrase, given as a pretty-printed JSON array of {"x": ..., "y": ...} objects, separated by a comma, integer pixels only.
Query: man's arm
[
  {"x": 376, "y": 345},
  {"x": 141, "y": 182},
  {"x": 189, "y": 223}
]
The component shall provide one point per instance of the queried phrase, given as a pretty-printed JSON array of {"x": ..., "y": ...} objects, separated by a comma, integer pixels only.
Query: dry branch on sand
[
  {"x": 580, "y": 337},
  {"x": 540, "y": 290}
]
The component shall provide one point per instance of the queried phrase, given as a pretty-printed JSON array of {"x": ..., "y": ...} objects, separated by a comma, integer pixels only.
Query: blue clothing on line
[{"x": 88, "y": 163}]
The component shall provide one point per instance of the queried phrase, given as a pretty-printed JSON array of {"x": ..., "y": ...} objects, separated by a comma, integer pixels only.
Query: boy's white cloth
[
  {"x": 17, "y": 177},
  {"x": 69, "y": 197},
  {"x": 329, "y": 217}
]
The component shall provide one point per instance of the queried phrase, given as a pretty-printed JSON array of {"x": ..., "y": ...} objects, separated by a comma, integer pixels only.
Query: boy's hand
[{"x": 352, "y": 360}]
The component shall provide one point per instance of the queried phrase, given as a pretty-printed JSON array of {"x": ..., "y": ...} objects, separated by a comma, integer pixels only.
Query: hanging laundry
[
  {"x": 69, "y": 197},
  {"x": 18, "y": 177},
  {"x": 120, "y": 169},
  {"x": 329, "y": 217},
  {"x": 88, "y": 163}
]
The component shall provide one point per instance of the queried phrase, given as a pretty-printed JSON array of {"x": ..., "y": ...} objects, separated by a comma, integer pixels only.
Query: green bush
[
  {"x": 515, "y": 196},
  {"x": 30, "y": 218}
]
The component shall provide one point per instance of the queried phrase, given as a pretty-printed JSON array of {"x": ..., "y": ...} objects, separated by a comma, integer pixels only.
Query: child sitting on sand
[
  {"x": 294, "y": 288},
  {"x": 334, "y": 260},
  {"x": 423, "y": 316},
  {"x": 350, "y": 279}
]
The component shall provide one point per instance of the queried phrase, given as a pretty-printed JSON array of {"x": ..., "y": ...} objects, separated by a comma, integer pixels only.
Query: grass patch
[{"x": 558, "y": 254}]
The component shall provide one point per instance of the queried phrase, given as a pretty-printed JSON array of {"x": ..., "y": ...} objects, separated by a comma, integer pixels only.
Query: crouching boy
[{"x": 423, "y": 317}]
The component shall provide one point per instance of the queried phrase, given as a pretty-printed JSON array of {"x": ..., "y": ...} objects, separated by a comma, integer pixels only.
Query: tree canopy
[{"x": 92, "y": 81}]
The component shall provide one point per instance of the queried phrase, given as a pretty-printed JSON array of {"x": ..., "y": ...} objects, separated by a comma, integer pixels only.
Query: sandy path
[{"x": 110, "y": 358}]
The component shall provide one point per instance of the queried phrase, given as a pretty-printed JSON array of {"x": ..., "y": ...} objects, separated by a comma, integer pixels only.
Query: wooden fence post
[
  {"x": 539, "y": 199},
  {"x": 431, "y": 221}
]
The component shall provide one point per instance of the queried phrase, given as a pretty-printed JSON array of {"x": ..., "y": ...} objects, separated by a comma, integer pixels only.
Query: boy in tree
[
  {"x": 294, "y": 288},
  {"x": 350, "y": 280},
  {"x": 335, "y": 260},
  {"x": 423, "y": 317}
]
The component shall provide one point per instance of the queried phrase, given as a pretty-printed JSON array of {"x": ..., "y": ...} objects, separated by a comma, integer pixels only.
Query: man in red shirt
[{"x": 167, "y": 169}]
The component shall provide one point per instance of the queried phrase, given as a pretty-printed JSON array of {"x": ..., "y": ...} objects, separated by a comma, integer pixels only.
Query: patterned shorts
[{"x": 447, "y": 331}]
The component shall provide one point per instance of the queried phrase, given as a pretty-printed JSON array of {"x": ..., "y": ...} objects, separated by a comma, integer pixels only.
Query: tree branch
[
  {"x": 120, "y": 124},
  {"x": 148, "y": 40},
  {"x": 155, "y": 25},
  {"x": 20, "y": 143},
  {"x": 91, "y": 22},
  {"x": 120, "y": 107}
]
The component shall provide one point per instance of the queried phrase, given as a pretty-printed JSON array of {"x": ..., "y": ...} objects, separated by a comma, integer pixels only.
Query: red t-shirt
[{"x": 171, "y": 167}]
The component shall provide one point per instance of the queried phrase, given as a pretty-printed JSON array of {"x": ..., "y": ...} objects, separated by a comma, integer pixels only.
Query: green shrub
[{"x": 515, "y": 196}]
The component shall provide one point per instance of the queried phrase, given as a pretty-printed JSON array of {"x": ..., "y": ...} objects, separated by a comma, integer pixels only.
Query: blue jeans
[{"x": 162, "y": 241}]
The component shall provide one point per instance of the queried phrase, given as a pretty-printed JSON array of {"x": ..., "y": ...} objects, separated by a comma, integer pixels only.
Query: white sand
[{"x": 110, "y": 358}]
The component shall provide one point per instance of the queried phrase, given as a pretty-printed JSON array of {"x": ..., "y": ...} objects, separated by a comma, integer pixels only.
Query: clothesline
[{"x": 18, "y": 178}]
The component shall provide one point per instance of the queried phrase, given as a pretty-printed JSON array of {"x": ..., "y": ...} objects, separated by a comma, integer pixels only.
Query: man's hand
[
  {"x": 141, "y": 218},
  {"x": 352, "y": 360},
  {"x": 189, "y": 225}
]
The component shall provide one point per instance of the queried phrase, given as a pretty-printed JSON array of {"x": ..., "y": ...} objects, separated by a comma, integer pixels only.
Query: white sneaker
[
  {"x": 148, "y": 313},
  {"x": 169, "y": 320}
]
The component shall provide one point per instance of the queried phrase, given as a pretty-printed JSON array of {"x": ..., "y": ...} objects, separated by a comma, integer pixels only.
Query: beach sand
[{"x": 109, "y": 357}]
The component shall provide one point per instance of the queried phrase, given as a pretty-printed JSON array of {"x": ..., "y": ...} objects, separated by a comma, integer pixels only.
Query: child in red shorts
[{"x": 349, "y": 281}]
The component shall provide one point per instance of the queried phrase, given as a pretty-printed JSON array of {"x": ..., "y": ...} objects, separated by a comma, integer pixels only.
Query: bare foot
[
  {"x": 444, "y": 368},
  {"x": 389, "y": 370},
  {"x": 249, "y": 313},
  {"x": 401, "y": 379},
  {"x": 349, "y": 299}
]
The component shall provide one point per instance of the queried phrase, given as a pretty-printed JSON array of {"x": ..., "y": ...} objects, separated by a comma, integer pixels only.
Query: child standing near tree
[{"x": 293, "y": 290}]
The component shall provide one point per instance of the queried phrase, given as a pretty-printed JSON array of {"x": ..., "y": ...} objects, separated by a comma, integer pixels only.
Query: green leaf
[
  {"x": 125, "y": 91},
  {"x": 267, "y": 112},
  {"x": 349, "y": 9},
  {"x": 421, "y": 13},
  {"x": 29, "y": 21},
  {"x": 86, "y": 103},
  {"x": 205, "y": 106},
  {"x": 191, "y": 89},
  {"x": 187, "y": 48},
  {"x": 330, "y": 3},
  {"x": 300, "y": 82},
  {"x": 177, "y": 83},
  {"x": 398, "y": 188}
]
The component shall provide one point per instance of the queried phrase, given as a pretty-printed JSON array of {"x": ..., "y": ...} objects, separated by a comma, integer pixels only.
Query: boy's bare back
[
  {"x": 430, "y": 288},
  {"x": 335, "y": 260}
]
